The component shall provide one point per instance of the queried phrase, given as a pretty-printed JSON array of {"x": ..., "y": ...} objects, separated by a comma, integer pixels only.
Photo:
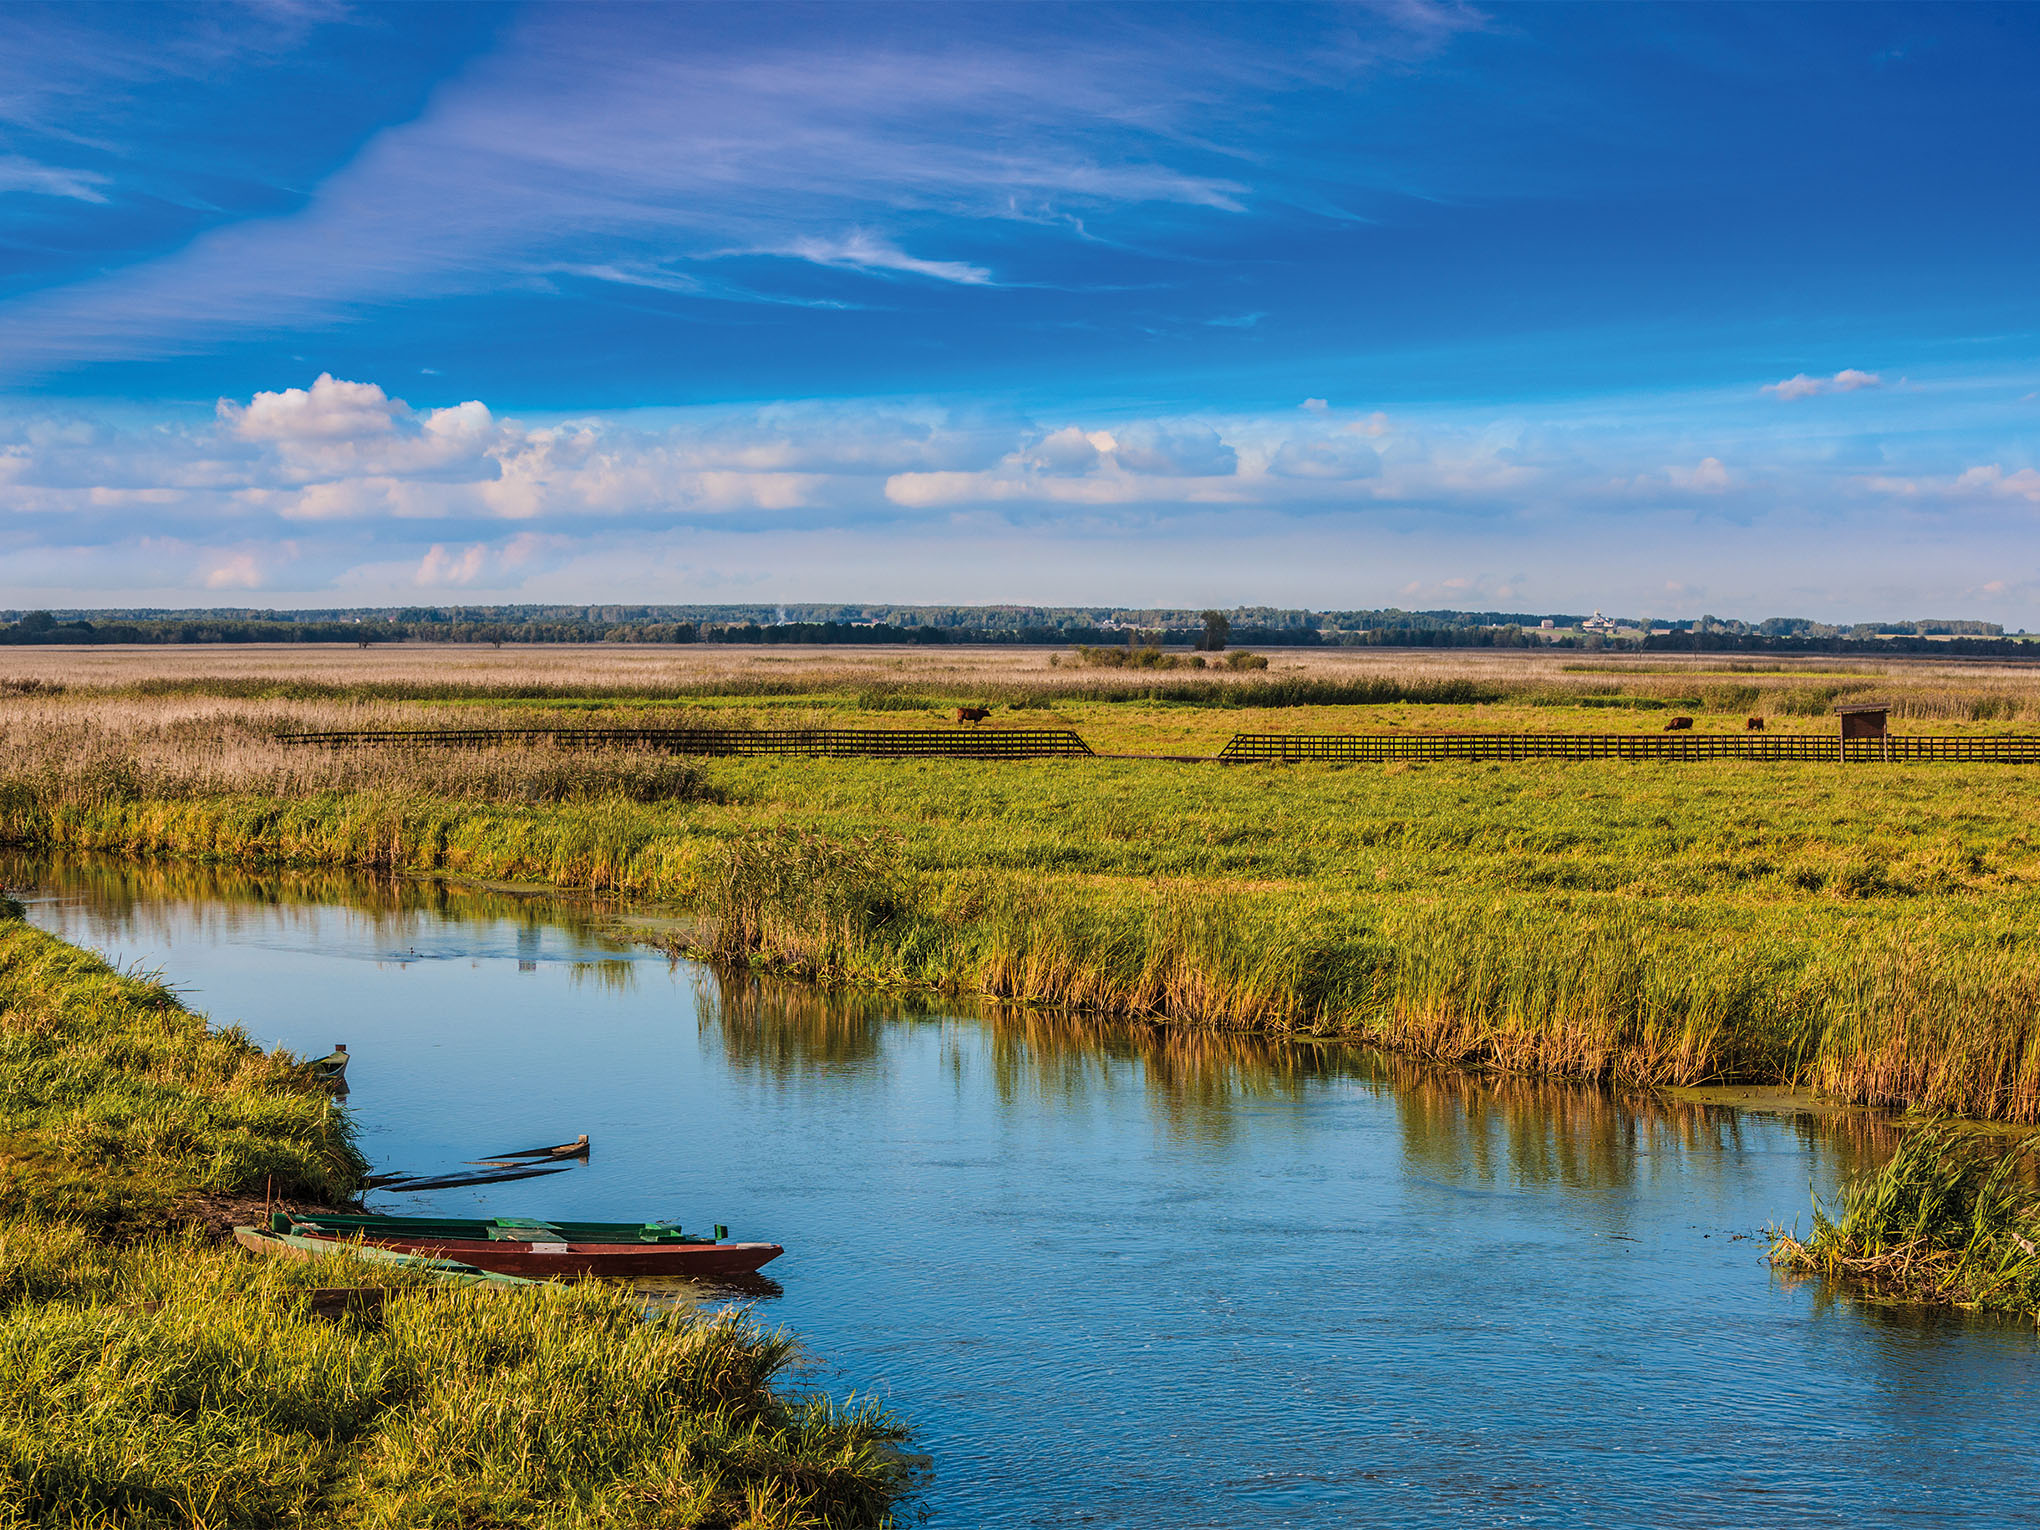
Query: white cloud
[
  {"x": 337, "y": 486},
  {"x": 329, "y": 410},
  {"x": 236, "y": 571},
  {"x": 1068, "y": 450},
  {"x": 1707, "y": 475},
  {"x": 18, "y": 173},
  {"x": 865, "y": 252},
  {"x": 1325, "y": 458},
  {"x": 1179, "y": 450},
  {"x": 1848, "y": 380},
  {"x": 1994, "y": 480}
]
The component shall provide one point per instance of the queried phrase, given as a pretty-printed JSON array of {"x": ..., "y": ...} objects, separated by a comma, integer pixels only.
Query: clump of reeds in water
[{"x": 1951, "y": 1218}]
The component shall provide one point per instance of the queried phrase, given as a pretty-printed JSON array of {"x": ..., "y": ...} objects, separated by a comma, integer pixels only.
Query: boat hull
[{"x": 685, "y": 1261}]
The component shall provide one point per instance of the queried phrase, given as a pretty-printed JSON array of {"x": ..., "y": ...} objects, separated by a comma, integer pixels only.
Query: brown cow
[
  {"x": 1754, "y": 725},
  {"x": 1678, "y": 723},
  {"x": 972, "y": 714}
]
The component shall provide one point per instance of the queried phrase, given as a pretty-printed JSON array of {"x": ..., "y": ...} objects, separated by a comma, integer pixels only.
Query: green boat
[{"x": 529, "y": 1246}]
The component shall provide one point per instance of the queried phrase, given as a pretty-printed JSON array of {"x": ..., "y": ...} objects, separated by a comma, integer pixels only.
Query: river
[{"x": 1115, "y": 1277}]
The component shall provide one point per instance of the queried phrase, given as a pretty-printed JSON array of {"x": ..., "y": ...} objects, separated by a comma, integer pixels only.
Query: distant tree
[
  {"x": 1217, "y": 629},
  {"x": 37, "y": 621}
]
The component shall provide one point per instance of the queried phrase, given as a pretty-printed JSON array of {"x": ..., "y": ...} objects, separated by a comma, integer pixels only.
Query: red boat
[{"x": 506, "y": 1246}]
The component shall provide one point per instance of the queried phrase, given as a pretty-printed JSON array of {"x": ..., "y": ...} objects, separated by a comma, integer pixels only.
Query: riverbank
[{"x": 150, "y": 1376}]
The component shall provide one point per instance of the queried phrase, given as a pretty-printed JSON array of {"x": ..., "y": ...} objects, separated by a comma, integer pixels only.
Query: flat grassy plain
[
  {"x": 1869, "y": 931},
  {"x": 150, "y": 1377}
]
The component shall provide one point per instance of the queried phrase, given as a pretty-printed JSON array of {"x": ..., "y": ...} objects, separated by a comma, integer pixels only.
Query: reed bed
[
  {"x": 150, "y": 1378},
  {"x": 1950, "y": 1219}
]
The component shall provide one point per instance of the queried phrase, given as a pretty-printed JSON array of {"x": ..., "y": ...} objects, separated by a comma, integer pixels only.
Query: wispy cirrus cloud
[
  {"x": 860, "y": 251},
  {"x": 20, "y": 173},
  {"x": 636, "y": 149}
]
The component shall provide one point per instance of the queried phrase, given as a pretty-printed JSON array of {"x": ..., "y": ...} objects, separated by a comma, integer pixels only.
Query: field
[{"x": 1869, "y": 931}]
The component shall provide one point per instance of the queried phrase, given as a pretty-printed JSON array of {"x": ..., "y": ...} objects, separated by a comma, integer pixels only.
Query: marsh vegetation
[
  {"x": 1869, "y": 932},
  {"x": 1950, "y": 1217}
]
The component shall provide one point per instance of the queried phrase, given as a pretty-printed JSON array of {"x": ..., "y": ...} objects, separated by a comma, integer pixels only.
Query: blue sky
[{"x": 1658, "y": 309}]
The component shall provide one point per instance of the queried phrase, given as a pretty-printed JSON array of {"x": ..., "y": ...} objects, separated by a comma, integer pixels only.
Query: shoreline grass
[
  {"x": 1948, "y": 1220},
  {"x": 151, "y": 1377}
]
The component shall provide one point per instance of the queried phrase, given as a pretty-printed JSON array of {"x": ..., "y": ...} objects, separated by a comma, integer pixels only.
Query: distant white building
[{"x": 1597, "y": 623}]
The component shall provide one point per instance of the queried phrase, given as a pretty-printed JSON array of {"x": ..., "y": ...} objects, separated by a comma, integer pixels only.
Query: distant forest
[{"x": 1241, "y": 626}]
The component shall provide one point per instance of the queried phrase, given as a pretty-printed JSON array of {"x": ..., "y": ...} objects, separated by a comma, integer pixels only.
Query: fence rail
[
  {"x": 1376, "y": 747},
  {"x": 830, "y": 743}
]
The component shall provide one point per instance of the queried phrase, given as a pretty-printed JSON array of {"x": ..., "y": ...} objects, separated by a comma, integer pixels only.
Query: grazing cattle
[
  {"x": 1678, "y": 723},
  {"x": 972, "y": 714},
  {"x": 1754, "y": 725}
]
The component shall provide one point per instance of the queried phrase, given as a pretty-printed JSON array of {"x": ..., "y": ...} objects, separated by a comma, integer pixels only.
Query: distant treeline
[{"x": 1243, "y": 626}]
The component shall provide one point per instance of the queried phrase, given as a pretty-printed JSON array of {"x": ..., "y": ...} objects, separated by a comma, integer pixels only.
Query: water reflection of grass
[
  {"x": 390, "y": 905},
  {"x": 1201, "y": 1085},
  {"x": 1500, "y": 1129}
]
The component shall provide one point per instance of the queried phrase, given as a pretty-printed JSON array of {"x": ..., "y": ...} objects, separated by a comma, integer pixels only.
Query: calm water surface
[{"x": 1127, "y": 1280}]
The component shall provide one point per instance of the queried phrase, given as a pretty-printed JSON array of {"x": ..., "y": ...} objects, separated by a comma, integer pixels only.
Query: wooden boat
[
  {"x": 578, "y": 1148},
  {"x": 532, "y": 1248},
  {"x": 331, "y": 1070}
]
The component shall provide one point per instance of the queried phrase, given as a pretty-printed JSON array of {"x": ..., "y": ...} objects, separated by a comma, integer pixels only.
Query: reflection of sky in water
[{"x": 1121, "y": 1277}]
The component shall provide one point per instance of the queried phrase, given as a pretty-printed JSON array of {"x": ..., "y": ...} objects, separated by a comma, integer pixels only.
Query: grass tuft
[{"x": 1949, "y": 1219}]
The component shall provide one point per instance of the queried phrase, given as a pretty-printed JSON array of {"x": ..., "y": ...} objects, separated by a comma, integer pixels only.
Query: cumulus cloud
[
  {"x": 235, "y": 571},
  {"x": 1989, "y": 481},
  {"x": 330, "y": 410},
  {"x": 337, "y": 485},
  {"x": 1068, "y": 450},
  {"x": 1325, "y": 457},
  {"x": 1848, "y": 380},
  {"x": 1185, "y": 450},
  {"x": 1707, "y": 475},
  {"x": 1994, "y": 480}
]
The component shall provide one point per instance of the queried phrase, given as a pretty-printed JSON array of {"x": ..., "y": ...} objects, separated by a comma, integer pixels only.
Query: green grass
[
  {"x": 150, "y": 1377},
  {"x": 179, "y": 1385},
  {"x": 122, "y": 1112},
  {"x": 1950, "y": 1219}
]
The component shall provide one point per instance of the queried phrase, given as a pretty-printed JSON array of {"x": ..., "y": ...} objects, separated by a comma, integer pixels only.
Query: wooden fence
[
  {"x": 829, "y": 743},
  {"x": 1806, "y": 747}
]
